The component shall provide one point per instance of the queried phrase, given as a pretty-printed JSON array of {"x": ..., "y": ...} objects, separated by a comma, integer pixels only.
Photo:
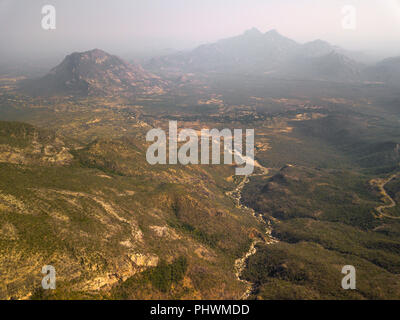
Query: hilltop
[{"x": 94, "y": 73}]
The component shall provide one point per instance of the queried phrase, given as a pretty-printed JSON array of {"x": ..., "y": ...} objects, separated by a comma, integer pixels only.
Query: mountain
[
  {"x": 336, "y": 65},
  {"x": 248, "y": 51},
  {"x": 332, "y": 66},
  {"x": 387, "y": 71},
  {"x": 270, "y": 53},
  {"x": 94, "y": 72},
  {"x": 317, "y": 48}
]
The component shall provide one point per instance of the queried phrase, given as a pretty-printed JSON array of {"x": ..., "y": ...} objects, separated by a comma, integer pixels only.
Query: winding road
[{"x": 380, "y": 183}]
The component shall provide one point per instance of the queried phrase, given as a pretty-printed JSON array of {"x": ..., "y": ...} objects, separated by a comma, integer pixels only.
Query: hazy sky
[{"x": 129, "y": 26}]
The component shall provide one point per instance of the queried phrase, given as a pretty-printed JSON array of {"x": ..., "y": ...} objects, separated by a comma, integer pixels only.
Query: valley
[
  {"x": 77, "y": 192},
  {"x": 240, "y": 264}
]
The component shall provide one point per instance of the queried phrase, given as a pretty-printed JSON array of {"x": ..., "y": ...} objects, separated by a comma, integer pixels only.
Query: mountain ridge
[{"x": 268, "y": 53}]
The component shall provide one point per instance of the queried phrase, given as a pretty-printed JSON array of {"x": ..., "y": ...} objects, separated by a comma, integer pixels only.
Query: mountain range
[
  {"x": 272, "y": 53},
  {"x": 97, "y": 73}
]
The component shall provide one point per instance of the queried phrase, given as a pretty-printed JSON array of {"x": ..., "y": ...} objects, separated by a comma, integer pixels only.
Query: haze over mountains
[
  {"x": 275, "y": 54},
  {"x": 96, "y": 72},
  {"x": 387, "y": 70}
]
